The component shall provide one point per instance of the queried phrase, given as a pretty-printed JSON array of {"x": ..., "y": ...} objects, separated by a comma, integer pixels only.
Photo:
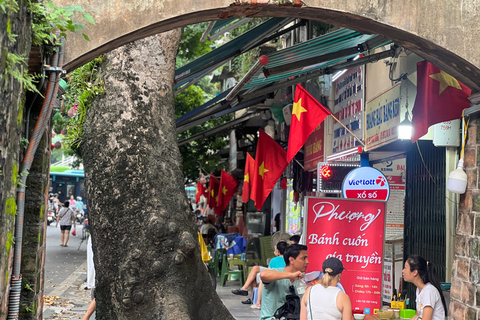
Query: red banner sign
[
  {"x": 353, "y": 231},
  {"x": 313, "y": 148}
]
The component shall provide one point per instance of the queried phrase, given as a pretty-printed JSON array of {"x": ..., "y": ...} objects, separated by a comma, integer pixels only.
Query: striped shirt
[{"x": 66, "y": 215}]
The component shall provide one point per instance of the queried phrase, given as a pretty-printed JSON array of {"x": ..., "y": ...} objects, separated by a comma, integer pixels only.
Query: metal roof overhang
[
  {"x": 220, "y": 129},
  {"x": 318, "y": 53},
  {"x": 233, "y": 48},
  {"x": 220, "y": 113},
  {"x": 290, "y": 66}
]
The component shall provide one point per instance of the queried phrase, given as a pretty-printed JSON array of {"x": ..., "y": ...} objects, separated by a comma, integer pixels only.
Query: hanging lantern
[
  {"x": 58, "y": 145},
  {"x": 53, "y": 134},
  {"x": 52, "y": 146}
]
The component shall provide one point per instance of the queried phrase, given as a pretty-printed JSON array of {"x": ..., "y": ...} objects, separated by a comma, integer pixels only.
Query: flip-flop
[
  {"x": 61, "y": 245},
  {"x": 65, "y": 246}
]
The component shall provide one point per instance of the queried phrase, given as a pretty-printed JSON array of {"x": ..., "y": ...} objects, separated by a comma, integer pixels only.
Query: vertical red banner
[{"x": 353, "y": 231}]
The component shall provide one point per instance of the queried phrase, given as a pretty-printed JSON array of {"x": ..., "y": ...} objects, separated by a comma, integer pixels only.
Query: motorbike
[
  {"x": 50, "y": 217},
  {"x": 79, "y": 216}
]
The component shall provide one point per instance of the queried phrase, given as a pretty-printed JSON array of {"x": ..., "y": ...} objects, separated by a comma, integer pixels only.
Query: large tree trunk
[{"x": 147, "y": 256}]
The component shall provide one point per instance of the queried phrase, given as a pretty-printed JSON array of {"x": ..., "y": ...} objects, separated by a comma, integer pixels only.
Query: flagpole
[
  {"x": 298, "y": 163},
  {"x": 348, "y": 130}
]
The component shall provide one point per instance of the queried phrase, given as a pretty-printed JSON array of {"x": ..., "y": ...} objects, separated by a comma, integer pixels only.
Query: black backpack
[{"x": 290, "y": 310}]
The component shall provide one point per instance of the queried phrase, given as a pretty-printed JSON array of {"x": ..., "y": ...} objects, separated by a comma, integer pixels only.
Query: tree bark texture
[{"x": 147, "y": 256}]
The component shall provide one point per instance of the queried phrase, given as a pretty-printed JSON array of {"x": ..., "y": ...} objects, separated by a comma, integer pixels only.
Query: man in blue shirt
[{"x": 278, "y": 281}]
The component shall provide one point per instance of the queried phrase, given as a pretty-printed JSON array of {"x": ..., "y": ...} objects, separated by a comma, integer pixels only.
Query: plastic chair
[
  {"x": 227, "y": 272},
  {"x": 217, "y": 261},
  {"x": 266, "y": 250},
  {"x": 237, "y": 261}
]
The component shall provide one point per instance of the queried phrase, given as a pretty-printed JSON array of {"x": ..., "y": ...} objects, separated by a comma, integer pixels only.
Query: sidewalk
[{"x": 70, "y": 300}]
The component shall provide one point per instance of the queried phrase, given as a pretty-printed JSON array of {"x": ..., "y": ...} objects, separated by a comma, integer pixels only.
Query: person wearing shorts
[{"x": 66, "y": 217}]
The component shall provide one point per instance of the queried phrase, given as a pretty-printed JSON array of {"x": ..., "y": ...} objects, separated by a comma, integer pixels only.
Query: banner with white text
[{"x": 353, "y": 231}]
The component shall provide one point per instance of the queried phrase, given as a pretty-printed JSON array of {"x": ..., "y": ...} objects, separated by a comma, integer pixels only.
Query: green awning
[
  {"x": 338, "y": 41},
  {"x": 210, "y": 61},
  {"x": 221, "y": 24}
]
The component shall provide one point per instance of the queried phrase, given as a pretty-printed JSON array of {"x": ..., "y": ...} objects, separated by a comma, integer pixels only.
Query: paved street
[{"x": 66, "y": 272}]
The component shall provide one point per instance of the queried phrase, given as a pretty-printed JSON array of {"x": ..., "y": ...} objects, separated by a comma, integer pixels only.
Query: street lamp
[{"x": 405, "y": 128}]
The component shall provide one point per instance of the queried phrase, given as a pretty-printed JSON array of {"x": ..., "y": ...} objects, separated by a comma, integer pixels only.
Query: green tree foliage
[
  {"x": 47, "y": 19},
  {"x": 202, "y": 154},
  {"x": 244, "y": 62},
  {"x": 83, "y": 86},
  {"x": 190, "y": 47}
]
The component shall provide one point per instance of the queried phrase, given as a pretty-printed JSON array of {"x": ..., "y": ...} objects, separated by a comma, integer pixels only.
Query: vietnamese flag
[
  {"x": 307, "y": 115},
  {"x": 228, "y": 185},
  {"x": 200, "y": 191},
  {"x": 247, "y": 178},
  {"x": 212, "y": 191},
  {"x": 270, "y": 162},
  {"x": 440, "y": 97}
]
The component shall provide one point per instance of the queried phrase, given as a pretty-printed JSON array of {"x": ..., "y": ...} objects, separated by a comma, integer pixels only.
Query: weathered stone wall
[
  {"x": 11, "y": 114},
  {"x": 465, "y": 290},
  {"x": 34, "y": 228},
  {"x": 445, "y": 33}
]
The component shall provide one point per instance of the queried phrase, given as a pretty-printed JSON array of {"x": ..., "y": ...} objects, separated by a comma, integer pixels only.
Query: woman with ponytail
[
  {"x": 430, "y": 301},
  {"x": 325, "y": 301}
]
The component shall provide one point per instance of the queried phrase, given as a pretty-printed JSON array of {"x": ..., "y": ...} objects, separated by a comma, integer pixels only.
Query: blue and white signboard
[{"x": 365, "y": 183}]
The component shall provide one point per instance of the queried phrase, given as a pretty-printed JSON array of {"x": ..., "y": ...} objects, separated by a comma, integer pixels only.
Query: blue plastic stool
[{"x": 254, "y": 296}]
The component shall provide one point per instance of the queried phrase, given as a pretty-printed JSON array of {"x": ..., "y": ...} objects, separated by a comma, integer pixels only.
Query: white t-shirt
[{"x": 430, "y": 297}]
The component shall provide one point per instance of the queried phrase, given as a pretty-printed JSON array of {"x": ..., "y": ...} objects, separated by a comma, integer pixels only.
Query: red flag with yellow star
[
  {"x": 247, "y": 178},
  {"x": 270, "y": 162},
  {"x": 440, "y": 97},
  {"x": 307, "y": 115},
  {"x": 228, "y": 185},
  {"x": 213, "y": 191},
  {"x": 200, "y": 191}
]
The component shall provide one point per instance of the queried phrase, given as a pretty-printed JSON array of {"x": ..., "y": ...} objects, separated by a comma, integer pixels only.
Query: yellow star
[
  {"x": 246, "y": 178},
  {"x": 298, "y": 109},
  {"x": 445, "y": 80},
  {"x": 216, "y": 198},
  {"x": 224, "y": 190},
  {"x": 262, "y": 170},
  {"x": 213, "y": 193}
]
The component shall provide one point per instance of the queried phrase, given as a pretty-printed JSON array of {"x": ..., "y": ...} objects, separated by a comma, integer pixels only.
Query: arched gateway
[{"x": 444, "y": 32}]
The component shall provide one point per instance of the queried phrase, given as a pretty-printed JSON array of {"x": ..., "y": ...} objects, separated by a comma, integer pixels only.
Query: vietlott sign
[
  {"x": 365, "y": 183},
  {"x": 353, "y": 231}
]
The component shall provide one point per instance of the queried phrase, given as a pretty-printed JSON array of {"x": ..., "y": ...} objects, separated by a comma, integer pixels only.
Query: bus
[{"x": 68, "y": 183}]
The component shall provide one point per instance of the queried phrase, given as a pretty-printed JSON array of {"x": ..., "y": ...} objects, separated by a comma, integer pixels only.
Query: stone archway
[{"x": 444, "y": 34}]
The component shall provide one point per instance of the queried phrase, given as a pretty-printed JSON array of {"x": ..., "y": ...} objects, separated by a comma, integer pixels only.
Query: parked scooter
[
  {"x": 79, "y": 216},
  {"x": 51, "y": 217}
]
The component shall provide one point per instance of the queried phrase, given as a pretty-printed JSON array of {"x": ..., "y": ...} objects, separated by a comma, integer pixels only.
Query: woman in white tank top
[{"x": 325, "y": 301}]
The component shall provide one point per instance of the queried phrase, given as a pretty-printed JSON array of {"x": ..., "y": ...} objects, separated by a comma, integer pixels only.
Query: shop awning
[
  {"x": 338, "y": 46},
  {"x": 212, "y": 60},
  {"x": 326, "y": 50},
  {"x": 220, "y": 129},
  {"x": 222, "y": 26}
]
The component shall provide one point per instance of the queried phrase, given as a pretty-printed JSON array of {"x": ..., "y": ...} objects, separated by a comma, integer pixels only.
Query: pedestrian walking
[{"x": 66, "y": 217}]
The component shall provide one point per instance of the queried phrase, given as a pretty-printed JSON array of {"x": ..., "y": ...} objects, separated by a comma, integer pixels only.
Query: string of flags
[
  {"x": 440, "y": 97},
  {"x": 271, "y": 159}
]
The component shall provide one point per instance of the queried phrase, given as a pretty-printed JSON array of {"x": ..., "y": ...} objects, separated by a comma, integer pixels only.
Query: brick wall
[{"x": 465, "y": 290}]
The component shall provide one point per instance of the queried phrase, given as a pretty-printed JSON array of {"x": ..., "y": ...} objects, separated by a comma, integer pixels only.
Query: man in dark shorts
[{"x": 65, "y": 217}]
